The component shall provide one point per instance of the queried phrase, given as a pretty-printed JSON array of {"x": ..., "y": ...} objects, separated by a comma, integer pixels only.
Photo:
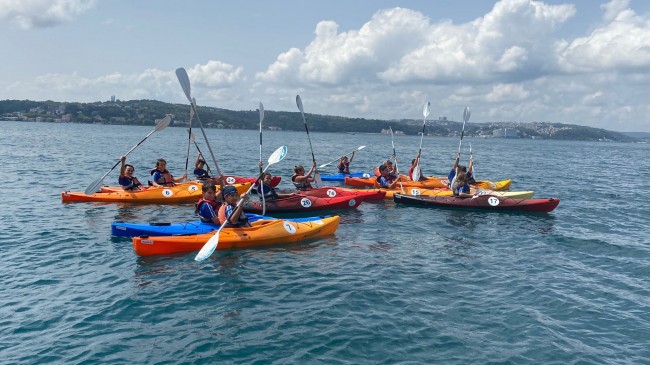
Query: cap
[{"x": 229, "y": 190}]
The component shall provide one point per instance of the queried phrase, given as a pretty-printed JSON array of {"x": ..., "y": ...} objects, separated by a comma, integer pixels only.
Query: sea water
[{"x": 395, "y": 284}]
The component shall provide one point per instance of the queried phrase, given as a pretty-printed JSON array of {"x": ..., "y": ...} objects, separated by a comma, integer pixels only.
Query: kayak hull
[
  {"x": 432, "y": 182},
  {"x": 263, "y": 233},
  {"x": 181, "y": 193},
  {"x": 527, "y": 194},
  {"x": 123, "y": 229},
  {"x": 341, "y": 177},
  {"x": 302, "y": 204},
  {"x": 334, "y": 191},
  {"x": 483, "y": 202}
]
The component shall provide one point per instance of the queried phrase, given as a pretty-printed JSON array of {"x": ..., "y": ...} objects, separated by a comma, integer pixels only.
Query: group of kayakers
[{"x": 226, "y": 211}]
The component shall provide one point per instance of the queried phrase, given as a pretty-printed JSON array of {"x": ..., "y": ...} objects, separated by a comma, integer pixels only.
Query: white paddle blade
[
  {"x": 299, "y": 103},
  {"x": 163, "y": 123},
  {"x": 278, "y": 155},
  {"x": 94, "y": 186},
  {"x": 416, "y": 173},
  {"x": 317, "y": 180},
  {"x": 184, "y": 80},
  {"x": 426, "y": 110},
  {"x": 466, "y": 114},
  {"x": 261, "y": 114},
  {"x": 209, "y": 247},
  {"x": 360, "y": 148}
]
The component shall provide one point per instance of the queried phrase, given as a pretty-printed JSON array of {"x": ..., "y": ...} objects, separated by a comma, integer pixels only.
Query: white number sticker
[
  {"x": 306, "y": 203},
  {"x": 352, "y": 202},
  {"x": 331, "y": 193},
  {"x": 167, "y": 193},
  {"x": 192, "y": 188},
  {"x": 289, "y": 227},
  {"x": 230, "y": 180},
  {"x": 493, "y": 201}
]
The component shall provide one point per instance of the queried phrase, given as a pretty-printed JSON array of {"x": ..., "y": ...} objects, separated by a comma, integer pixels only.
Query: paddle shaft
[{"x": 313, "y": 159}]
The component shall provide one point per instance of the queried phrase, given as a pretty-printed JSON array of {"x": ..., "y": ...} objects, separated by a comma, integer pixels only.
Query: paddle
[
  {"x": 466, "y": 115},
  {"x": 212, "y": 243},
  {"x": 416, "y": 169},
  {"x": 339, "y": 159},
  {"x": 97, "y": 183},
  {"x": 392, "y": 142},
  {"x": 187, "y": 157},
  {"x": 184, "y": 80},
  {"x": 471, "y": 160},
  {"x": 317, "y": 180},
  {"x": 207, "y": 167},
  {"x": 262, "y": 182}
]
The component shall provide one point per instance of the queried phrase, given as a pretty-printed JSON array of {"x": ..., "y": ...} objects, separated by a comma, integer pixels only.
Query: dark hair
[
  {"x": 462, "y": 168},
  {"x": 208, "y": 186},
  {"x": 129, "y": 165},
  {"x": 161, "y": 160},
  {"x": 389, "y": 162},
  {"x": 382, "y": 168},
  {"x": 266, "y": 174}
]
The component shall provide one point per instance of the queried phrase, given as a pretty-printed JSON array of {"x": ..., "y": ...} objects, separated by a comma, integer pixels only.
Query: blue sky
[{"x": 581, "y": 62}]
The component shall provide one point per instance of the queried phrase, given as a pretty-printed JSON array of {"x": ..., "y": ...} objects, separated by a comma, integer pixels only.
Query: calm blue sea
[{"x": 395, "y": 285}]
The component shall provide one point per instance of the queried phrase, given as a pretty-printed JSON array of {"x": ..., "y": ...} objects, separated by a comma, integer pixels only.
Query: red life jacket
[{"x": 215, "y": 205}]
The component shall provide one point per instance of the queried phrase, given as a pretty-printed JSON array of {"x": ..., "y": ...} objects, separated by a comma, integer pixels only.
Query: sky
[{"x": 584, "y": 62}]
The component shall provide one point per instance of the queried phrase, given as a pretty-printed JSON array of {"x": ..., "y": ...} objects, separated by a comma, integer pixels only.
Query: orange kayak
[
  {"x": 263, "y": 233},
  {"x": 181, "y": 193},
  {"x": 432, "y": 182}
]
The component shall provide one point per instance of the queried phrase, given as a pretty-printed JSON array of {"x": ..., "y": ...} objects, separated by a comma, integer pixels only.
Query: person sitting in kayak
[
  {"x": 231, "y": 215},
  {"x": 386, "y": 180},
  {"x": 344, "y": 164},
  {"x": 199, "y": 168},
  {"x": 414, "y": 162},
  {"x": 161, "y": 177},
  {"x": 467, "y": 170},
  {"x": 126, "y": 179},
  {"x": 208, "y": 206},
  {"x": 460, "y": 187},
  {"x": 301, "y": 180},
  {"x": 391, "y": 169},
  {"x": 265, "y": 189}
]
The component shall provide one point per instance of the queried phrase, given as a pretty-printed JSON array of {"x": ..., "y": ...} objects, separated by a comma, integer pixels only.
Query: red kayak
[
  {"x": 484, "y": 202},
  {"x": 232, "y": 179},
  {"x": 301, "y": 203},
  {"x": 333, "y": 191}
]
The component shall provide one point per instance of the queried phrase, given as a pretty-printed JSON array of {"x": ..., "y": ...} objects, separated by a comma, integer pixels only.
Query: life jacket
[
  {"x": 134, "y": 183},
  {"x": 215, "y": 206},
  {"x": 300, "y": 185},
  {"x": 166, "y": 178},
  {"x": 378, "y": 184},
  {"x": 344, "y": 168},
  {"x": 242, "y": 222}
]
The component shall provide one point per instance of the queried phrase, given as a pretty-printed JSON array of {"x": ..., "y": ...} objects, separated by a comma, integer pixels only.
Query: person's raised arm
[{"x": 123, "y": 167}]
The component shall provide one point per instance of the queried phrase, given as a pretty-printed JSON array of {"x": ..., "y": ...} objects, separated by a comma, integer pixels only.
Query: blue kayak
[
  {"x": 123, "y": 229},
  {"x": 341, "y": 177}
]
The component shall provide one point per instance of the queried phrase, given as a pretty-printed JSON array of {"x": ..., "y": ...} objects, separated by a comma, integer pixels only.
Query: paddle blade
[
  {"x": 360, "y": 148},
  {"x": 466, "y": 114},
  {"x": 261, "y": 114},
  {"x": 184, "y": 80},
  {"x": 94, "y": 186},
  {"x": 278, "y": 155},
  {"x": 299, "y": 103},
  {"x": 317, "y": 180},
  {"x": 426, "y": 110},
  {"x": 163, "y": 123},
  {"x": 209, "y": 247},
  {"x": 416, "y": 172}
]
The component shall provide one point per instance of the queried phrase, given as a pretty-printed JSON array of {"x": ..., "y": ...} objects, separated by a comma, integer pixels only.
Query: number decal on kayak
[
  {"x": 289, "y": 227},
  {"x": 415, "y": 192},
  {"x": 366, "y": 175},
  {"x": 493, "y": 201},
  {"x": 167, "y": 193},
  {"x": 481, "y": 192},
  {"x": 331, "y": 193},
  {"x": 230, "y": 180},
  {"x": 352, "y": 202},
  {"x": 493, "y": 185},
  {"x": 306, "y": 203},
  {"x": 445, "y": 182},
  {"x": 193, "y": 188}
]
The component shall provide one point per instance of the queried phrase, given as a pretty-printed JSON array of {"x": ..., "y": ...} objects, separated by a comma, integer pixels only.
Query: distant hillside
[
  {"x": 643, "y": 136},
  {"x": 145, "y": 112}
]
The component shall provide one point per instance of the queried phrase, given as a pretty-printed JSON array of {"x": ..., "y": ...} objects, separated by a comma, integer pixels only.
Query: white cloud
[{"x": 29, "y": 14}]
